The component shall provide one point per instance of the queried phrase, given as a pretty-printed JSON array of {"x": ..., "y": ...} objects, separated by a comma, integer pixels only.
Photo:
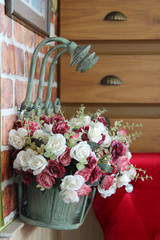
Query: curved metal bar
[
  {"x": 33, "y": 65},
  {"x": 48, "y": 103},
  {"x": 38, "y": 102}
]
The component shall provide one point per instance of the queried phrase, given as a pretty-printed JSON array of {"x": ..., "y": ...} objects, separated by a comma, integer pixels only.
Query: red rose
[
  {"x": 60, "y": 128},
  {"x": 46, "y": 119},
  {"x": 92, "y": 162},
  {"x": 33, "y": 126},
  {"x": 103, "y": 120},
  {"x": 65, "y": 158},
  {"x": 56, "y": 170},
  {"x": 56, "y": 119},
  {"x": 85, "y": 173},
  {"x": 107, "y": 182},
  {"x": 45, "y": 179},
  {"x": 95, "y": 175},
  {"x": 84, "y": 130},
  {"x": 27, "y": 177},
  {"x": 118, "y": 149},
  {"x": 84, "y": 190},
  {"x": 19, "y": 124}
]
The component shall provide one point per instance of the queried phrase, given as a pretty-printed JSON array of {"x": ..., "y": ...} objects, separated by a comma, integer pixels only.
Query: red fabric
[{"x": 136, "y": 215}]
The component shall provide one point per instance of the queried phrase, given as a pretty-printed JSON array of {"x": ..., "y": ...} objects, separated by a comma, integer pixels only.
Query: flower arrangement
[{"x": 75, "y": 154}]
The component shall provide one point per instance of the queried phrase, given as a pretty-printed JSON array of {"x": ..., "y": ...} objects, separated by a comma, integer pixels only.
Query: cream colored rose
[
  {"x": 48, "y": 127},
  {"x": 94, "y": 134},
  {"x": 101, "y": 126},
  {"x": 87, "y": 120},
  {"x": 75, "y": 122},
  {"x": 108, "y": 140},
  {"x": 81, "y": 151},
  {"x": 22, "y": 132},
  {"x": 107, "y": 193},
  {"x": 56, "y": 144},
  {"x": 37, "y": 163},
  {"x": 22, "y": 159},
  {"x": 69, "y": 196},
  {"x": 72, "y": 182},
  {"x": 123, "y": 179},
  {"x": 132, "y": 172},
  {"x": 15, "y": 140},
  {"x": 40, "y": 134}
]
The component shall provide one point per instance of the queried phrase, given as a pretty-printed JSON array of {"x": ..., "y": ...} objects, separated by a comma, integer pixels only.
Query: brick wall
[{"x": 17, "y": 44}]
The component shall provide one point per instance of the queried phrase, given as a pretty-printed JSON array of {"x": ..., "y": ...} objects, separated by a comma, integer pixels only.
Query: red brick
[
  {"x": 37, "y": 69},
  {"x": 20, "y": 92},
  {"x": 5, "y": 22},
  {"x": 28, "y": 57},
  {"x": 22, "y": 34},
  {"x": 7, "y": 125},
  {"x": 6, "y": 165},
  {"x": 9, "y": 199},
  {"x": 6, "y": 93},
  {"x": 39, "y": 39},
  {"x": 47, "y": 70},
  {"x": 12, "y": 59}
]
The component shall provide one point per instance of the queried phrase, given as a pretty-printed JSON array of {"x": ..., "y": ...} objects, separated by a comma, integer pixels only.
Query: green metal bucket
[{"x": 47, "y": 209}]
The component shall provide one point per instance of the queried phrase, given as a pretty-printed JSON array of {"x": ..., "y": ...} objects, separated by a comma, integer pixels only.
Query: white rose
[
  {"x": 72, "y": 182},
  {"x": 69, "y": 196},
  {"x": 38, "y": 134},
  {"x": 132, "y": 172},
  {"x": 16, "y": 164},
  {"x": 22, "y": 159},
  {"x": 128, "y": 155},
  {"x": 87, "y": 120},
  {"x": 81, "y": 151},
  {"x": 37, "y": 163},
  {"x": 101, "y": 126},
  {"x": 94, "y": 134},
  {"x": 75, "y": 122},
  {"x": 107, "y": 140},
  {"x": 15, "y": 140},
  {"x": 123, "y": 179},
  {"x": 48, "y": 127},
  {"x": 107, "y": 193},
  {"x": 22, "y": 132},
  {"x": 56, "y": 144}
]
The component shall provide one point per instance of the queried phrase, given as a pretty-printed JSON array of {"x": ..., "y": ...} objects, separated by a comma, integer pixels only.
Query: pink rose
[
  {"x": 84, "y": 190},
  {"x": 85, "y": 173},
  {"x": 27, "y": 177},
  {"x": 33, "y": 126},
  {"x": 95, "y": 175},
  {"x": 56, "y": 170},
  {"x": 60, "y": 127},
  {"x": 56, "y": 119},
  {"x": 45, "y": 179},
  {"x": 65, "y": 158},
  {"x": 92, "y": 162},
  {"x": 122, "y": 131},
  {"x": 122, "y": 163},
  {"x": 46, "y": 119},
  {"x": 107, "y": 182},
  {"x": 118, "y": 149}
]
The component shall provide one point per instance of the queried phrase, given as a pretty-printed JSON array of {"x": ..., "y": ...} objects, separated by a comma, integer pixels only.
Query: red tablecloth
[{"x": 136, "y": 215}]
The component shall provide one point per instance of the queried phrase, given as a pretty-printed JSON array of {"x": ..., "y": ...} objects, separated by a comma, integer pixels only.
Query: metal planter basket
[{"x": 47, "y": 209}]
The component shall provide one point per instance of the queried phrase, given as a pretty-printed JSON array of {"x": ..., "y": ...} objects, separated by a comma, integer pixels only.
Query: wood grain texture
[
  {"x": 139, "y": 74},
  {"x": 85, "y": 20}
]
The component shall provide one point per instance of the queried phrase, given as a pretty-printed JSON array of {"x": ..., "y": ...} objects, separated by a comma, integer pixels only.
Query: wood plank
[
  {"x": 139, "y": 75},
  {"x": 84, "y": 20}
]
